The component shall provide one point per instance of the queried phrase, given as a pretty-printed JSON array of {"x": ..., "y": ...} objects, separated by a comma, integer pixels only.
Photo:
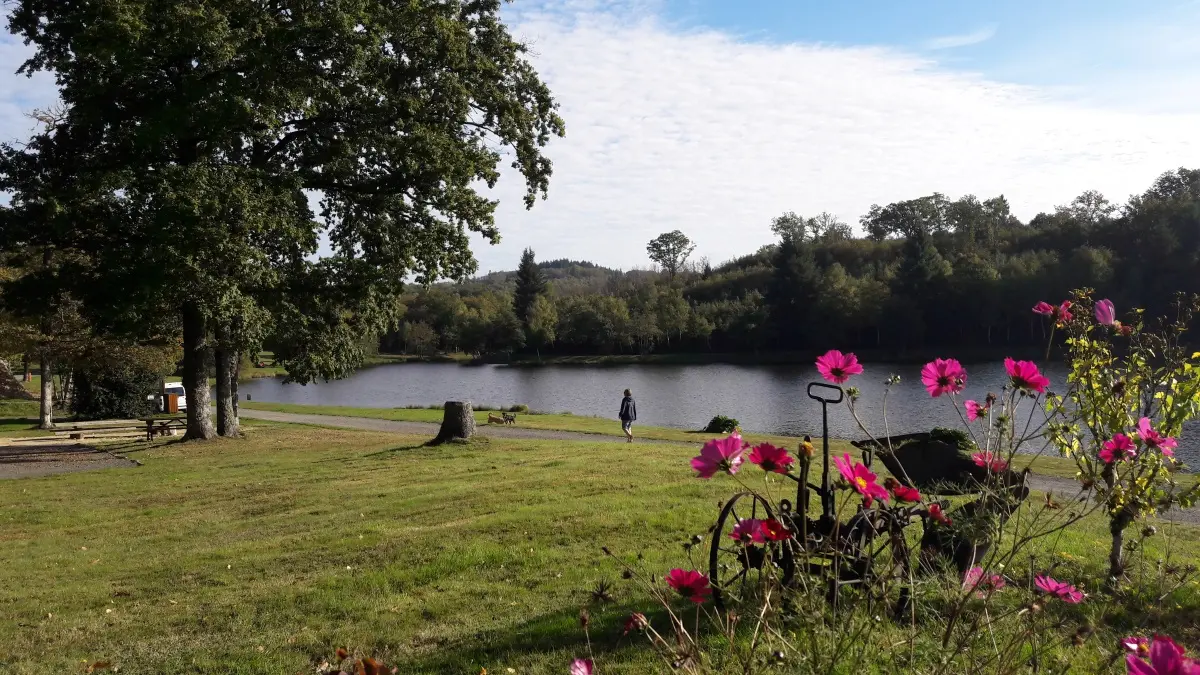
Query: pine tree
[{"x": 530, "y": 284}]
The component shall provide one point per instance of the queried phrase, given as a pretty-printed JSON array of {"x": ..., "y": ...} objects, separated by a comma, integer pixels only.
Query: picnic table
[{"x": 162, "y": 425}]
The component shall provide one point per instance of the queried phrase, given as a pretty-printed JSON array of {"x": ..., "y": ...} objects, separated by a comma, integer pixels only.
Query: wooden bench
[{"x": 162, "y": 425}]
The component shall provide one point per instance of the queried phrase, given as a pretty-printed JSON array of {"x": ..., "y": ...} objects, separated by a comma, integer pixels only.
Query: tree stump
[{"x": 458, "y": 421}]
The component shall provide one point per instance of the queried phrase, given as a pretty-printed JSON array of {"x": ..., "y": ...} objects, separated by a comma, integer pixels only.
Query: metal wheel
[
  {"x": 736, "y": 571},
  {"x": 873, "y": 549}
]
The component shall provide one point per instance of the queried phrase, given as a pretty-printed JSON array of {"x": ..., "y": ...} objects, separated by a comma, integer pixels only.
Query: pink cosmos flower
[
  {"x": 1063, "y": 312},
  {"x": 690, "y": 584},
  {"x": 975, "y": 411},
  {"x": 748, "y": 531},
  {"x": 861, "y": 479},
  {"x": 1136, "y": 645},
  {"x": 1155, "y": 440},
  {"x": 1025, "y": 375},
  {"x": 1106, "y": 314},
  {"x": 1059, "y": 589},
  {"x": 581, "y": 667},
  {"x": 1120, "y": 447},
  {"x": 995, "y": 463},
  {"x": 636, "y": 621},
  {"x": 935, "y": 512},
  {"x": 982, "y": 584},
  {"x": 719, "y": 454},
  {"x": 1166, "y": 658},
  {"x": 838, "y": 367},
  {"x": 1043, "y": 308},
  {"x": 773, "y": 530},
  {"x": 771, "y": 458},
  {"x": 943, "y": 376}
]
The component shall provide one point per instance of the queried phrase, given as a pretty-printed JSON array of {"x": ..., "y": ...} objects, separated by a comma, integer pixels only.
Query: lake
[{"x": 769, "y": 399}]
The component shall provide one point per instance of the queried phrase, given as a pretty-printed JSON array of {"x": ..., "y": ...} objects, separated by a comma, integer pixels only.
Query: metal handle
[{"x": 840, "y": 394}]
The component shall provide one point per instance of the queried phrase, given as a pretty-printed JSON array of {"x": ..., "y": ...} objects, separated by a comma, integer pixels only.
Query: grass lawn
[
  {"x": 1050, "y": 466},
  {"x": 264, "y": 555},
  {"x": 19, "y": 418}
]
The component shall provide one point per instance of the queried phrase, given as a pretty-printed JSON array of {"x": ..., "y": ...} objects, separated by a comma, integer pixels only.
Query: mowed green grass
[
  {"x": 265, "y": 554},
  {"x": 1045, "y": 465}
]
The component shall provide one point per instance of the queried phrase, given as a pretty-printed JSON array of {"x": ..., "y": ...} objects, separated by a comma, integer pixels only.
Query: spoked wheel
[
  {"x": 736, "y": 571},
  {"x": 873, "y": 550}
]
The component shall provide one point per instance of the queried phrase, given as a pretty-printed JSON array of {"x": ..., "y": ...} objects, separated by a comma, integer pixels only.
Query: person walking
[{"x": 628, "y": 414}]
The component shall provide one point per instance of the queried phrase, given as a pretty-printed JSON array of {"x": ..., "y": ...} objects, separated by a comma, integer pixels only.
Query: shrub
[
  {"x": 518, "y": 408},
  {"x": 721, "y": 425}
]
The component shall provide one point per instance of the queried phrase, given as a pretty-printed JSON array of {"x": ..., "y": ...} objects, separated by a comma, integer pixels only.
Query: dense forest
[{"x": 926, "y": 273}]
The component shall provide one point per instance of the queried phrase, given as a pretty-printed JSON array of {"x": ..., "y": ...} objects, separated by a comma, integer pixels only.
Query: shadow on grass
[{"x": 557, "y": 631}]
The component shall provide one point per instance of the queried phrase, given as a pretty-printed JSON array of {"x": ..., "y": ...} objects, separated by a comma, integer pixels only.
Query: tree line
[{"x": 930, "y": 272}]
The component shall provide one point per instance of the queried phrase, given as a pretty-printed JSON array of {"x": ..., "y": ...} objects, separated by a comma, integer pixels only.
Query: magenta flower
[
  {"x": 1059, "y": 589},
  {"x": 1063, "y": 312},
  {"x": 1120, "y": 447},
  {"x": 903, "y": 493},
  {"x": 861, "y": 479},
  {"x": 1106, "y": 314},
  {"x": 975, "y": 411},
  {"x": 690, "y": 584},
  {"x": 838, "y": 367},
  {"x": 771, "y": 458},
  {"x": 773, "y": 530},
  {"x": 1166, "y": 658},
  {"x": 1155, "y": 440},
  {"x": 1136, "y": 645},
  {"x": 636, "y": 621},
  {"x": 1043, "y": 308},
  {"x": 748, "y": 531},
  {"x": 935, "y": 512},
  {"x": 993, "y": 462},
  {"x": 982, "y": 584},
  {"x": 943, "y": 376},
  {"x": 581, "y": 667},
  {"x": 1025, "y": 375},
  {"x": 719, "y": 455}
]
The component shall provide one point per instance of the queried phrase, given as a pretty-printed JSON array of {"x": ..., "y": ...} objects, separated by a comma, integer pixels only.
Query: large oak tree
[{"x": 204, "y": 126}]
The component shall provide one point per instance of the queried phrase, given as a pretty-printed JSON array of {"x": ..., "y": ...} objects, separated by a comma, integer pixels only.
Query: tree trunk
[
  {"x": 227, "y": 420},
  {"x": 458, "y": 421},
  {"x": 28, "y": 377},
  {"x": 1116, "y": 558},
  {"x": 47, "y": 407},
  {"x": 195, "y": 374}
]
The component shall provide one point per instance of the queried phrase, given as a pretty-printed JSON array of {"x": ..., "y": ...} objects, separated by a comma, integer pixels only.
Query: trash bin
[{"x": 171, "y": 404}]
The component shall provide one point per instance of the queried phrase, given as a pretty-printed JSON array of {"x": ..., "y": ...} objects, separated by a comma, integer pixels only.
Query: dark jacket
[{"x": 628, "y": 409}]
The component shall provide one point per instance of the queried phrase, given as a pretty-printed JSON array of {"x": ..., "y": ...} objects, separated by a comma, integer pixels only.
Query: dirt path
[{"x": 1064, "y": 489}]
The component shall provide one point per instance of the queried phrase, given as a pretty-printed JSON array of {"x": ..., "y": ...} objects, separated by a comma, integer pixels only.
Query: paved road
[{"x": 1063, "y": 488}]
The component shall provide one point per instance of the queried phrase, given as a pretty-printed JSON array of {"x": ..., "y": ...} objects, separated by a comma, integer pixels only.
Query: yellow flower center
[{"x": 862, "y": 483}]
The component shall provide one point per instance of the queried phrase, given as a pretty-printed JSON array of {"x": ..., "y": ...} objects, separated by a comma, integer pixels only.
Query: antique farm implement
[{"x": 846, "y": 543}]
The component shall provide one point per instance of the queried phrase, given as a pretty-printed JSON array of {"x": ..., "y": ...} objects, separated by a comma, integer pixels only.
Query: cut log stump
[{"x": 458, "y": 421}]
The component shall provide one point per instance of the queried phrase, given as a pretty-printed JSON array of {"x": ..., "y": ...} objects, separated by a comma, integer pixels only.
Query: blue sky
[
  {"x": 715, "y": 116},
  {"x": 1074, "y": 46}
]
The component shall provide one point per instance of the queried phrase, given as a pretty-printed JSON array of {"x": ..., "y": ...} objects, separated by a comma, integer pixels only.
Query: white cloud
[
  {"x": 963, "y": 40},
  {"x": 715, "y": 136}
]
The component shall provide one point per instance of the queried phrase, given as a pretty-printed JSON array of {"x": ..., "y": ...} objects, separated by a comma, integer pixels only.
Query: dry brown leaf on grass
[{"x": 98, "y": 666}]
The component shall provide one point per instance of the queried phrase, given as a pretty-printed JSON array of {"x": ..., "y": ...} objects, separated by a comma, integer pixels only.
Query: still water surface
[{"x": 768, "y": 399}]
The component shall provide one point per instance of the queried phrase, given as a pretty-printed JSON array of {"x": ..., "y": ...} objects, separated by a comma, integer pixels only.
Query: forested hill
[{"x": 930, "y": 272}]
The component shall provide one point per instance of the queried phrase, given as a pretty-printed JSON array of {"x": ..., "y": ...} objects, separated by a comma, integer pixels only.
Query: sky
[{"x": 715, "y": 116}]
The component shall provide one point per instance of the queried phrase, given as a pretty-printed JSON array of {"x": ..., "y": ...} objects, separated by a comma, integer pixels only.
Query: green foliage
[
  {"x": 670, "y": 251},
  {"x": 1119, "y": 375},
  {"x": 198, "y": 203},
  {"x": 530, "y": 285},
  {"x": 721, "y": 424}
]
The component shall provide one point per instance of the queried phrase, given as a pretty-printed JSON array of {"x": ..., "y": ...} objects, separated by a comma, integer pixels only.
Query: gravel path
[
  {"x": 1064, "y": 489},
  {"x": 50, "y": 458}
]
